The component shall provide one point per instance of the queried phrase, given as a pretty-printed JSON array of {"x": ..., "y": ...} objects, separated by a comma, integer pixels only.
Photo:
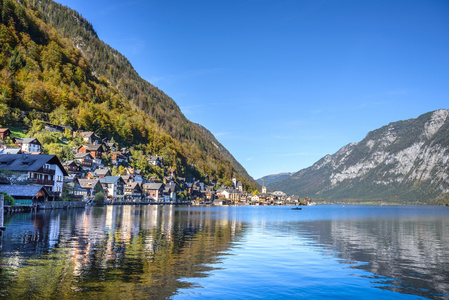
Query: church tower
[
  {"x": 234, "y": 182},
  {"x": 264, "y": 188}
]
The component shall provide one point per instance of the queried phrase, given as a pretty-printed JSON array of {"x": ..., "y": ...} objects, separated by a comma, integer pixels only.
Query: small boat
[{"x": 297, "y": 208}]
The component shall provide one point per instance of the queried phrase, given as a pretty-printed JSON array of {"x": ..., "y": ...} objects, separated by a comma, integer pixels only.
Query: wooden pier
[{"x": 2, "y": 214}]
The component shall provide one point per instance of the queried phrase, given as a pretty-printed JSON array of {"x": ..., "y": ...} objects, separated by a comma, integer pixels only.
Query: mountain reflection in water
[
  {"x": 161, "y": 252},
  {"x": 116, "y": 252},
  {"x": 410, "y": 256}
]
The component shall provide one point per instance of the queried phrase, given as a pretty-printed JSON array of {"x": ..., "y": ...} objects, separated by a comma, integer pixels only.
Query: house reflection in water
[{"x": 110, "y": 251}]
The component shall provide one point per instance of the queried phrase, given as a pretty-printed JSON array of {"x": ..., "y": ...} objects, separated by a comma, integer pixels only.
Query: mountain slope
[
  {"x": 45, "y": 78},
  {"x": 241, "y": 172},
  {"x": 113, "y": 66},
  {"x": 269, "y": 179},
  {"x": 405, "y": 161}
]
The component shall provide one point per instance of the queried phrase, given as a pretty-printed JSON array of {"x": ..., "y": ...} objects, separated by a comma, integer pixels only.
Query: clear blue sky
[{"x": 283, "y": 83}]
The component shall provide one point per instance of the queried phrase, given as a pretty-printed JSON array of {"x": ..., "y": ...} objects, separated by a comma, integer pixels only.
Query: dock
[{"x": 2, "y": 214}]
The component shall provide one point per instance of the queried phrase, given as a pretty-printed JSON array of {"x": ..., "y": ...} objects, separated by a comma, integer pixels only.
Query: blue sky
[{"x": 283, "y": 83}]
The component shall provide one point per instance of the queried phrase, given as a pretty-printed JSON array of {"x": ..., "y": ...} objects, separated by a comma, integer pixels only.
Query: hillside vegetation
[{"x": 45, "y": 77}]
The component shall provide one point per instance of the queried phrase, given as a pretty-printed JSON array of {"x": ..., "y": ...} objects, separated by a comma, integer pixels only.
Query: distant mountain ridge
[
  {"x": 402, "y": 162},
  {"x": 269, "y": 179}
]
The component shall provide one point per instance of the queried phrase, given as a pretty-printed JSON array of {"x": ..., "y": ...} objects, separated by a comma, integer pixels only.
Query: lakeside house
[
  {"x": 88, "y": 175},
  {"x": 41, "y": 169},
  {"x": 114, "y": 187},
  {"x": 32, "y": 195},
  {"x": 90, "y": 186},
  {"x": 153, "y": 190},
  {"x": 133, "y": 191}
]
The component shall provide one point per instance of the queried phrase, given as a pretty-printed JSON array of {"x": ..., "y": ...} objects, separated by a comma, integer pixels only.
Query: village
[{"x": 40, "y": 180}]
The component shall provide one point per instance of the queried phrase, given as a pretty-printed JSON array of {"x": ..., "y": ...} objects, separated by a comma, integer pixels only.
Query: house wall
[
  {"x": 31, "y": 148},
  {"x": 58, "y": 178}
]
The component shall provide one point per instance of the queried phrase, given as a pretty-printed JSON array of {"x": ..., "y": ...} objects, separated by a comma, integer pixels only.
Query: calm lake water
[{"x": 263, "y": 252}]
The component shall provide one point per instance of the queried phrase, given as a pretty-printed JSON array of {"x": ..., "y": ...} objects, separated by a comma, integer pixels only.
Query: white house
[
  {"x": 114, "y": 186},
  {"x": 29, "y": 145},
  {"x": 41, "y": 169}
]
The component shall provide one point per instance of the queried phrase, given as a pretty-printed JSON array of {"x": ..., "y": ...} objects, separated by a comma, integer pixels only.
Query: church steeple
[{"x": 264, "y": 188}]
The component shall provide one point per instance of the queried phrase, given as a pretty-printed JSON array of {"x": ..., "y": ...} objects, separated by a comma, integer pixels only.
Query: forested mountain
[
  {"x": 54, "y": 68},
  {"x": 403, "y": 162},
  {"x": 269, "y": 179},
  {"x": 238, "y": 167}
]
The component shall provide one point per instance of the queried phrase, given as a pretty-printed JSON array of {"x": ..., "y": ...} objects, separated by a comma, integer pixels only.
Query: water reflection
[
  {"x": 155, "y": 252},
  {"x": 109, "y": 253},
  {"x": 410, "y": 255}
]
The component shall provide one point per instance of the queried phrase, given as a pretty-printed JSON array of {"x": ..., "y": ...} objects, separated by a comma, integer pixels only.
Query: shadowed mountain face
[
  {"x": 269, "y": 179},
  {"x": 404, "y": 162}
]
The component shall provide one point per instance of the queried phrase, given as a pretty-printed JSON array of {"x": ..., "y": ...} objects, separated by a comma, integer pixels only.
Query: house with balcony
[
  {"x": 39, "y": 169},
  {"x": 133, "y": 191},
  {"x": 85, "y": 160},
  {"x": 153, "y": 190},
  {"x": 169, "y": 193},
  {"x": 72, "y": 167},
  {"x": 114, "y": 187},
  {"x": 95, "y": 150},
  {"x": 91, "y": 186}
]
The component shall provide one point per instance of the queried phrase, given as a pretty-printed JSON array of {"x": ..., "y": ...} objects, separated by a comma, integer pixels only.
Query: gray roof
[
  {"x": 110, "y": 179},
  {"x": 82, "y": 155},
  {"x": 153, "y": 185},
  {"x": 69, "y": 162},
  {"x": 28, "y": 162},
  {"x": 21, "y": 190},
  {"x": 28, "y": 140},
  {"x": 89, "y": 134},
  {"x": 170, "y": 187},
  {"x": 155, "y": 158},
  {"x": 92, "y": 147},
  {"x": 88, "y": 183},
  {"x": 11, "y": 151},
  {"x": 102, "y": 171}
]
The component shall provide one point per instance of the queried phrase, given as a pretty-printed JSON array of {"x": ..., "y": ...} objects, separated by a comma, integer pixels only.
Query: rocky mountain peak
[{"x": 402, "y": 161}]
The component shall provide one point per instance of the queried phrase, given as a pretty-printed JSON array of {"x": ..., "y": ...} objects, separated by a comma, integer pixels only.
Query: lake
[{"x": 245, "y": 252}]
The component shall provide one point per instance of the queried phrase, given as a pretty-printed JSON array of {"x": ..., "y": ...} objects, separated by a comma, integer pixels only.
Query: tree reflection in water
[{"x": 115, "y": 252}]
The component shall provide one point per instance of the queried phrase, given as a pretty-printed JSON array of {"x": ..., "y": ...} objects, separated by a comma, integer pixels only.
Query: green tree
[
  {"x": 67, "y": 193},
  {"x": 99, "y": 198},
  {"x": 8, "y": 199}
]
